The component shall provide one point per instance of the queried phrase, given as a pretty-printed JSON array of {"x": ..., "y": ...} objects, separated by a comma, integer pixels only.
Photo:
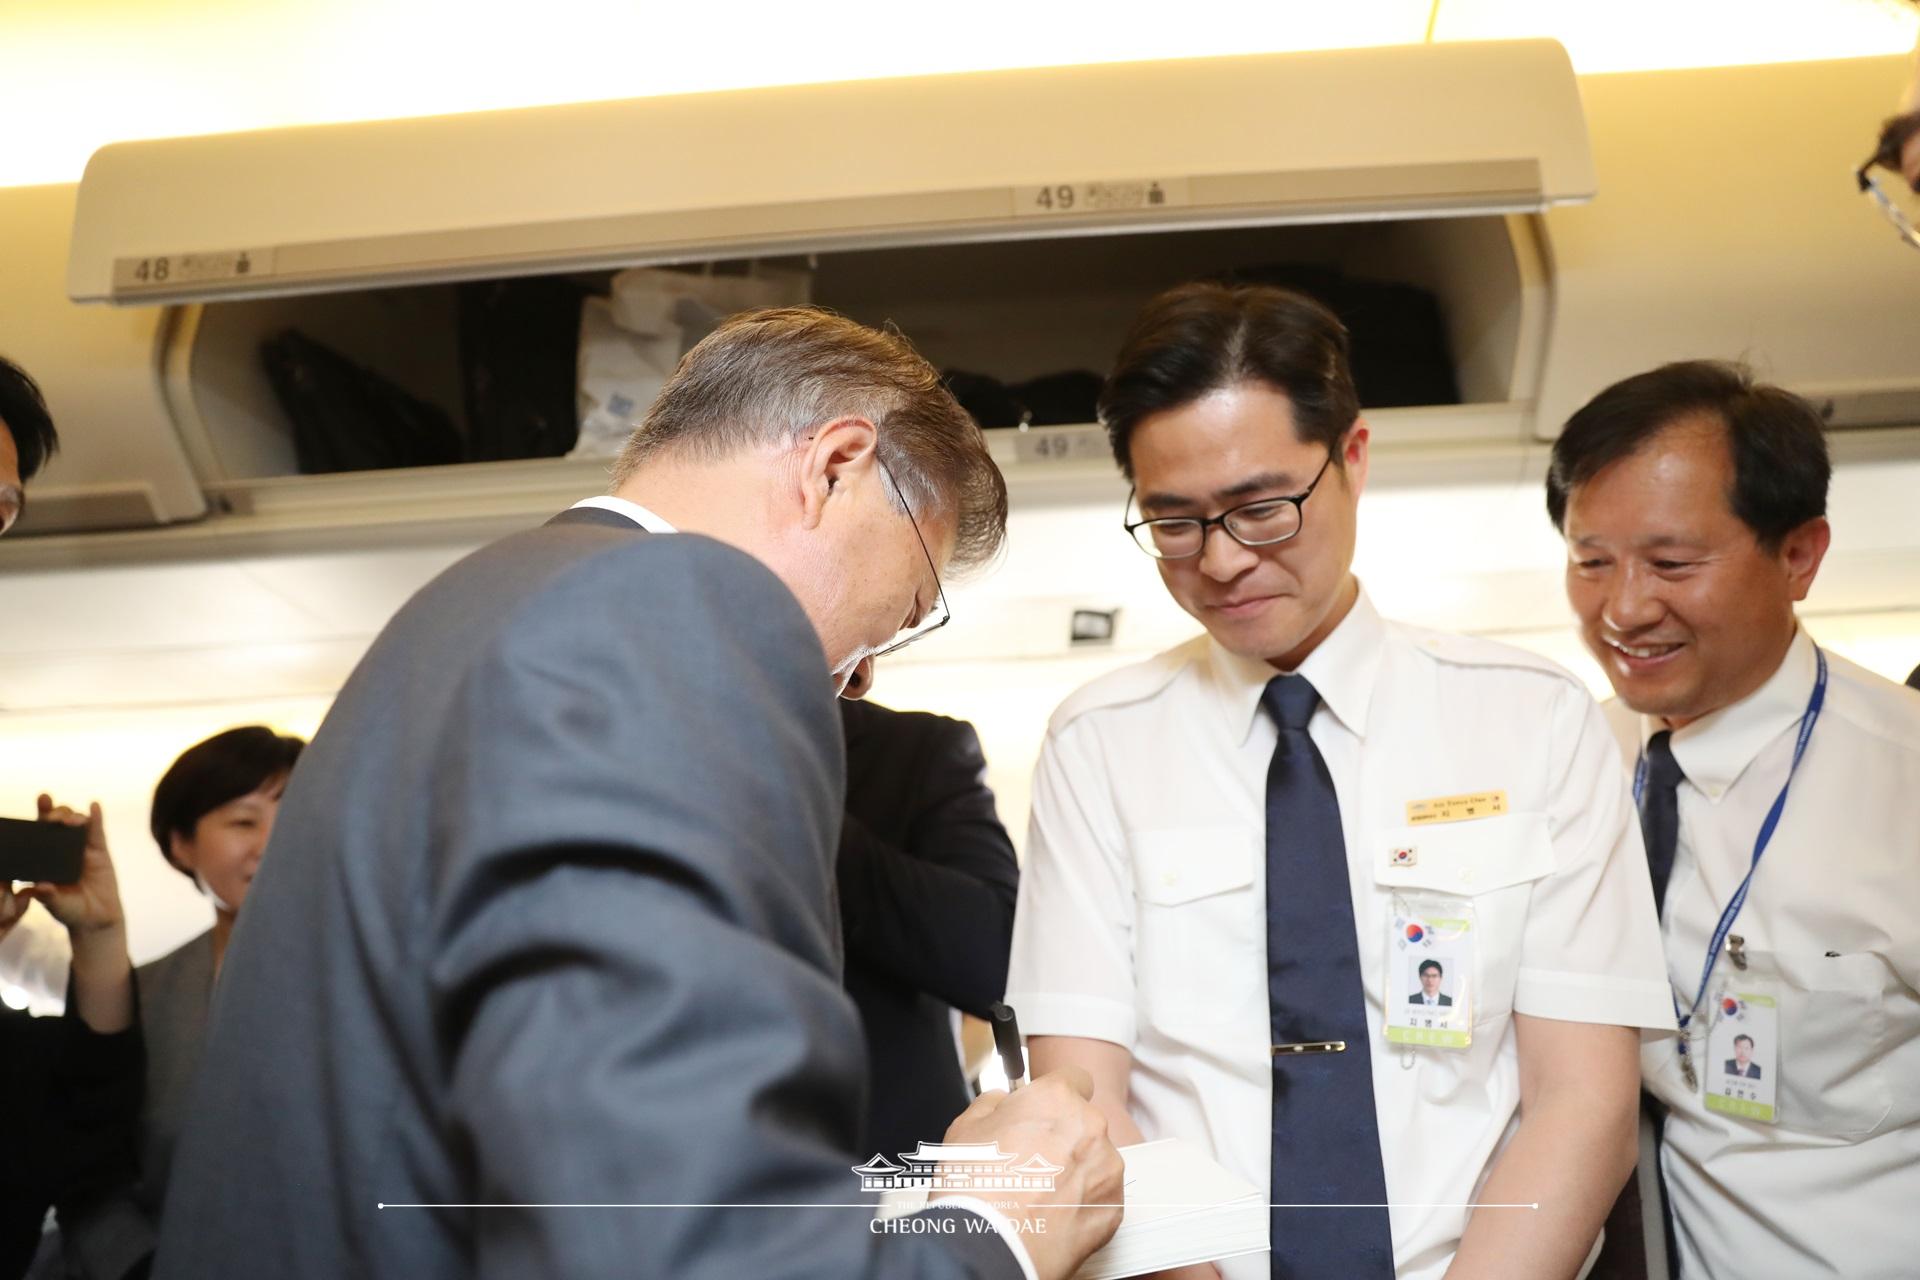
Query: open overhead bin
[
  {"x": 1305, "y": 137},
  {"x": 999, "y": 219}
]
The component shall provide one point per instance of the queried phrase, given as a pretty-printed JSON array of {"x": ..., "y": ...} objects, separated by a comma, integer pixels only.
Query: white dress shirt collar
[
  {"x": 1343, "y": 668},
  {"x": 631, "y": 510},
  {"x": 1716, "y": 749}
]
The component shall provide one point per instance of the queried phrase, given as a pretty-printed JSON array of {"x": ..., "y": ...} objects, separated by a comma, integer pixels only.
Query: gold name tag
[{"x": 1481, "y": 804}]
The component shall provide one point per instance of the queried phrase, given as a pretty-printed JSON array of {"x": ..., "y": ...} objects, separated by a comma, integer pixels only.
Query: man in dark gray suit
[{"x": 549, "y": 919}]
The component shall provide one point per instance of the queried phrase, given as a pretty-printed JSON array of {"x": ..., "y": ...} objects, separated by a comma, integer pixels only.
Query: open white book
[{"x": 1182, "y": 1207}]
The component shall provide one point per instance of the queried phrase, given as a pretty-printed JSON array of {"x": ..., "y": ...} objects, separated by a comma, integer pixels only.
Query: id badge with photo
[
  {"x": 1430, "y": 971},
  {"x": 1741, "y": 1068}
]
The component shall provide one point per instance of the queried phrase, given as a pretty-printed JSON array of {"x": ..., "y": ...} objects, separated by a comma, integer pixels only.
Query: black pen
[{"x": 1006, "y": 1039}]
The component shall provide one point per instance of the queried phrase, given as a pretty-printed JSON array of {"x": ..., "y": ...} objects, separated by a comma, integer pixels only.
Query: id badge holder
[
  {"x": 1741, "y": 1069},
  {"x": 1431, "y": 969}
]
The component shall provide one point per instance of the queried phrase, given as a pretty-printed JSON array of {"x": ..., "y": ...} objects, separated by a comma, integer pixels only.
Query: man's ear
[
  {"x": 838, "y": 454},
  {"x": 1354, "y": 454},
  {"x": 1801, "y": 552}
]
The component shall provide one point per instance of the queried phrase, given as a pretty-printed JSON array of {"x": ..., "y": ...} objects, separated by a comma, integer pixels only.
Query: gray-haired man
[{"x": 550, "y": 920}]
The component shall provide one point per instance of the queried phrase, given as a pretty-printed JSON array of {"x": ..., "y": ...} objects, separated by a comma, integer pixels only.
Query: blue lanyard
[{"x": 1739, "y": 899}]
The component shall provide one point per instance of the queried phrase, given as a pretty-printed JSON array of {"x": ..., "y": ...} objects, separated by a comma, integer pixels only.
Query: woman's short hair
[{"x": 208, "y": 774}]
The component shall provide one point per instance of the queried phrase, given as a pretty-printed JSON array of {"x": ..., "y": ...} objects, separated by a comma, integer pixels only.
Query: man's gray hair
[{"x": 774, "y": 376}]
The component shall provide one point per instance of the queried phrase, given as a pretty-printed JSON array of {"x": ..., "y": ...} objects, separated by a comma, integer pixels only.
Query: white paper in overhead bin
[
  {"x": 652, "y": 299},
  {"x": 620, "y": 373}
]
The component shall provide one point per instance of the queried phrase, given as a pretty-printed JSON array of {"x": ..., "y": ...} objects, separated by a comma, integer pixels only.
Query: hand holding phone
[
  {"x": 41, "y": 852},
  {"x": 90, "y": 901}
]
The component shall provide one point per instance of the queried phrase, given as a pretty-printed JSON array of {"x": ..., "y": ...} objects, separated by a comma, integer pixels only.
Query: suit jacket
[
  {"x": 72, "y": 1097},
  {"x": 548, "y": 920},
  {"x": 1751, "y": 1073},
  {"x": 119, "y": 1229},
  {"x": 927, "y": 883},
  {"x": 1420, "y": 998}
]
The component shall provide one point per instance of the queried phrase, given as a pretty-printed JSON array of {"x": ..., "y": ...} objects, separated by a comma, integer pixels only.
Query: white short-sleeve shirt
[
  {"x": 1142, "y": 913},
  {"x": 1831, "y": 927}
]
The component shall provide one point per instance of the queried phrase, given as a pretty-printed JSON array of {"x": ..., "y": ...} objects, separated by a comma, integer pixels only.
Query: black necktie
[
  {"x": 1326, "y": 1135},
  {"x": 1660, "y": 812}
]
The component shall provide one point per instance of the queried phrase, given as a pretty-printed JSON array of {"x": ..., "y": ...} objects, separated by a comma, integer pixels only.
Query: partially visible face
[
  {"x": 862, "y": 576},
  {"x": 1238, "y": 445},
  {"x": 1676, "y": 597},
  {"x": 227, "y": 842},
  {"x": 1910, "y": 163},
  {"x": 12, "y": 488},
  {"x": 1430, "y": 981}
]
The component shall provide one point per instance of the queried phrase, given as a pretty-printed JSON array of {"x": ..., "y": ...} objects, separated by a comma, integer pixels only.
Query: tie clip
[{"x": 1311, "y": 1046}]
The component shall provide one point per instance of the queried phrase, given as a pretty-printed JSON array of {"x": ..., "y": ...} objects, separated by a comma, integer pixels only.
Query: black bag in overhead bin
[
  {"x": 1400, "y": 354},
  {"x": 349, "y": 418},
  {"x": 519, "y": 347},
  {"x": 1052, "y": 399}
]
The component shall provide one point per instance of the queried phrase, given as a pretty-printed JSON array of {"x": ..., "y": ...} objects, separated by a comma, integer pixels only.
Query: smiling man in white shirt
[
  {"x": 1694, "y": 506},
  {"x": 1243, "y": 850}
]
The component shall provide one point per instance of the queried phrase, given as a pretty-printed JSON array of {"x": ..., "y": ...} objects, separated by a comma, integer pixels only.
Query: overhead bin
[{"x": 1414, "y": 131}]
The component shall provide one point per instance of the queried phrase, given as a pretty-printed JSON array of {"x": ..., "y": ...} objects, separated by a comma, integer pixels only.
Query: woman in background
[{"x": 212, "y": 814}]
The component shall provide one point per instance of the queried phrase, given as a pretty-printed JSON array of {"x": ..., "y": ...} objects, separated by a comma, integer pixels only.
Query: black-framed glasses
[
  {"x": 1251, "y": 524},
  {"x": 1870, "y": 186},
  {"x": 941, "y": 615}
]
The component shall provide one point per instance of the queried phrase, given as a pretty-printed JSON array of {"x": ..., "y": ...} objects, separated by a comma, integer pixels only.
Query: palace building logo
[{"x": 956, "y": 1167}]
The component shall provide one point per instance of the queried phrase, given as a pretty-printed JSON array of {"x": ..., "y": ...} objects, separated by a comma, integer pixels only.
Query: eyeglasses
[
  {"x": 1870, "y": 186},
  {"x": 1251, "y": 524},
  {"x": 941, "y": 614}
]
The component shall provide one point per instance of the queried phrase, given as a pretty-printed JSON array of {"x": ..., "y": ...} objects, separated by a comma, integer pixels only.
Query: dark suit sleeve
[
  {"x": 632, "y": 970},
  {"x": 937, "y": 912},
  {"x": 105, "y": 1232}
]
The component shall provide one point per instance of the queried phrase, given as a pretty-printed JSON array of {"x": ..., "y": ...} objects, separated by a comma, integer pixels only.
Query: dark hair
[
  {"x": 1895, "y": 134},
  {"x": 1199, "y": 338},
  {"x": 23, "y": 412},
  {"x": 1433, "y": 965},
  {"x": 1779, "y": 447},
  {"x": 772, "y": 376},
  {"x": 1743, "y": 1036},
  {"x": 207, "y": 775}
]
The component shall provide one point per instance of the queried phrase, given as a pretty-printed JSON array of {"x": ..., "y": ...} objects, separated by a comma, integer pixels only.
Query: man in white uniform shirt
[
  {"x": 1694, "y": 506},
  {"x": 1401, "y": 793}
]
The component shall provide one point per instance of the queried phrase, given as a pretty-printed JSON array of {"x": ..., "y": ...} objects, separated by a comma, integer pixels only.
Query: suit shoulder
[
  {"x": 1447, "y": 649},
  {"x": 875, "y": 727},
  {"x": 680, "y": 606},
  {"x": 930, "y": 724},
  {"x": 1138, "y": 682},
  {"x": 689, "y": 573}
]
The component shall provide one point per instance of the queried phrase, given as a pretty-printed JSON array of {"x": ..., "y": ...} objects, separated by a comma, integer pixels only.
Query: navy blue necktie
[
  {"x": 1660, "y": 813},
  {"x": 1326, "y": 1135}
]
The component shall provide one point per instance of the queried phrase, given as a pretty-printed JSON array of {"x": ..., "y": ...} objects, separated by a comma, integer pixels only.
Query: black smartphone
[{"x": 51, "y": 851}]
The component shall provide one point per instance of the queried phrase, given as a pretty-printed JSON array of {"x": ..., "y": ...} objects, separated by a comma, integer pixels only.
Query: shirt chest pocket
[
  {"x": 1199, "y": 939},
  {"x": 1491, "y": 863},
  {"x": 1833, "y": 1039}
]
